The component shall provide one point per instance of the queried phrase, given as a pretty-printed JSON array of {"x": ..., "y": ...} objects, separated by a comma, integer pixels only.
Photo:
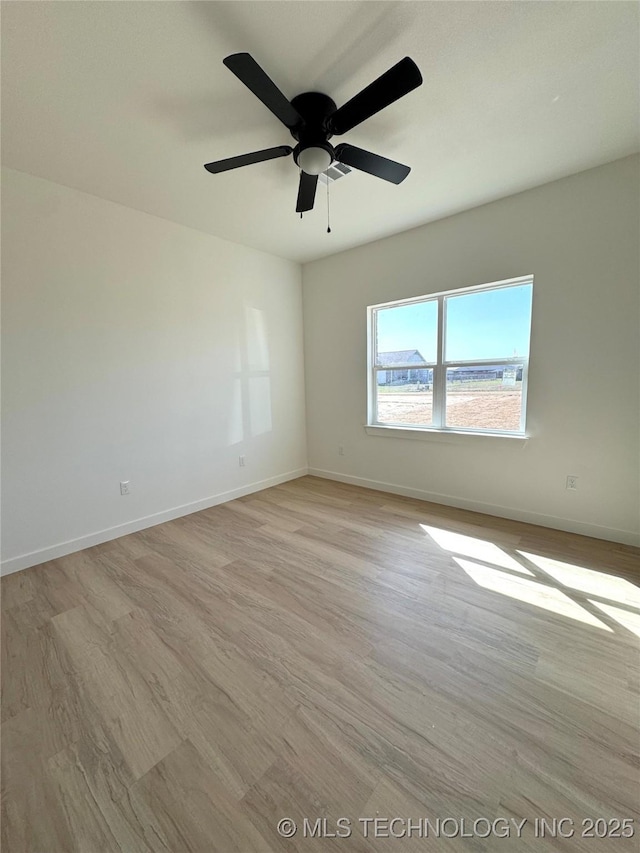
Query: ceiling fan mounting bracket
[{"x": 314, "y": 109}]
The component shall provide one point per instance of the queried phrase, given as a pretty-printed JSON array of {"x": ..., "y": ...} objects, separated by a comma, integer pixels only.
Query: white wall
[
  {"x": 579, "y": 237},
  {"x": 136, "y": 349}
]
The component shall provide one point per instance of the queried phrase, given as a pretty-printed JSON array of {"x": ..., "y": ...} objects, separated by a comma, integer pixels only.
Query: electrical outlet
[
  {"x": 125, "y": 487},
  {"x": 340, "y": 450},
  {"x": 572, "y": 482},
  {"x": 241, "y": 461}
]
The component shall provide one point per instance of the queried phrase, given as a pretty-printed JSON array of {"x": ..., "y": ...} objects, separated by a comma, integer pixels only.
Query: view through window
[{"x": 455, "y": 360}]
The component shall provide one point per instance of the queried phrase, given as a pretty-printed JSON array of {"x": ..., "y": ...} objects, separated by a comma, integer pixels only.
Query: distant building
[
  {"x": 510, "y": 373},
  {"x": 404, "y": 375}
]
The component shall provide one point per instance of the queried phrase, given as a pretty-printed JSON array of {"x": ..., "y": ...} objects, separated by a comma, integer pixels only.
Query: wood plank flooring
[{"x": 320, "y": 650}]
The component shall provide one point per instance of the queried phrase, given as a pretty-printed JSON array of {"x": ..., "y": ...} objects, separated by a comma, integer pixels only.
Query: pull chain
[{"x": 328, "y": 224}]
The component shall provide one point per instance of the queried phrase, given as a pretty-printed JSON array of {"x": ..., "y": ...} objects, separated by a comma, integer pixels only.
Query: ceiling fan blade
[
  {"x": 398, "y": 81},
  {"x": 247, "y": 159},
  {"x": 306, "y": 192},
  {"x": 374, "y": 164},
  {"x": 246, "y": 69}
]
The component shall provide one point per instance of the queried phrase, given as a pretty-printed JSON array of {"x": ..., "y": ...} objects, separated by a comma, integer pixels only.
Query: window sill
[{"x": 442, "y": 435}]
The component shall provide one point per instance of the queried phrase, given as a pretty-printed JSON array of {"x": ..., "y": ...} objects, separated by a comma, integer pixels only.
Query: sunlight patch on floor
[
  {"x": 588, "y": 580},
  {"x": 628, "y": 619},
  {"x": 479, "y": 549},
  {"x": 529, "y": 592}
]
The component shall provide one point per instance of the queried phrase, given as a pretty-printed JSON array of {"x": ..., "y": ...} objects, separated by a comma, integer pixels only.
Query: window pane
[
  {"x": 484, "y": 397},
  {"x": 404, "y": 396},
  {"x": 488, "y": 324},
  {"x": 407, "y": 334}
]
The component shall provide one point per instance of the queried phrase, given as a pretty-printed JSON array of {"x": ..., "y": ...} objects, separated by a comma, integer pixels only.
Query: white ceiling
[{"x": 128, "y": 100}]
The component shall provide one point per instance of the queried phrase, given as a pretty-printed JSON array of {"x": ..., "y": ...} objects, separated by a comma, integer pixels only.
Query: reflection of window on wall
[{"x": 452, "y": 361}]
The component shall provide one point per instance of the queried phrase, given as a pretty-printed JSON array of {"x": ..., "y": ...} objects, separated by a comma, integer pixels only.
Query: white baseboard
[
  {"x": 34, "y": 558},
  {"x": 24, "y": 561},
  {"x": 612, "y": 534}
]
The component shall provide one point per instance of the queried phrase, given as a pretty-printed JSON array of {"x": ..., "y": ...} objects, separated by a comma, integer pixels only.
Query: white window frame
[{"x": 440, "y": 366}]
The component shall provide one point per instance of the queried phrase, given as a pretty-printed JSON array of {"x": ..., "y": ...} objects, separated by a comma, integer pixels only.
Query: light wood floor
[{"x": 310, "y": 651}]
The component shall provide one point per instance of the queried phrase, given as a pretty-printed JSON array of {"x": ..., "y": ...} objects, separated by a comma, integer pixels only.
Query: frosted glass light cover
[{"x": 314, "y": 161}]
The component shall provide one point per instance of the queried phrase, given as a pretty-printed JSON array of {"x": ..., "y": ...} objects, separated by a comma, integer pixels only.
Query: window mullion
[
  {"x": 439, "y": 372},
  {"x": 373, "y": 376}
]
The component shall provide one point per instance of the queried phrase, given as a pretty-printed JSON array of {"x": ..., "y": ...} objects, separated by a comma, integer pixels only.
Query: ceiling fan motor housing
[{"x": 313, "y": 132}]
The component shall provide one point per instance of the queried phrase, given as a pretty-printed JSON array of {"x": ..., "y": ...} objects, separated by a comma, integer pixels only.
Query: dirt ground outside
[{"x": 482, "y": 409}]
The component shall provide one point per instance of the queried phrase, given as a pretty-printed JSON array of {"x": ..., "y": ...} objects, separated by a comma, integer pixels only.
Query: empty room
[{"x": 320, "y": 426}]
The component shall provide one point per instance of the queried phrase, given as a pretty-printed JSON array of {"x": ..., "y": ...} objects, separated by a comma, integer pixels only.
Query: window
[{"x": 452, "y": 361}]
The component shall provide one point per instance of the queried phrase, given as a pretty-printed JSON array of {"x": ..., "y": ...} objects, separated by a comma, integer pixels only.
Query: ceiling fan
[{"x": 313, "y": 118}]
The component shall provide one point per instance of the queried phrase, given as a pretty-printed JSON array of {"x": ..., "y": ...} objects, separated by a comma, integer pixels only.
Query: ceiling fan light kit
[
  {"x": 313, "y": 118},
  {"x": 315, "y": 159}
]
